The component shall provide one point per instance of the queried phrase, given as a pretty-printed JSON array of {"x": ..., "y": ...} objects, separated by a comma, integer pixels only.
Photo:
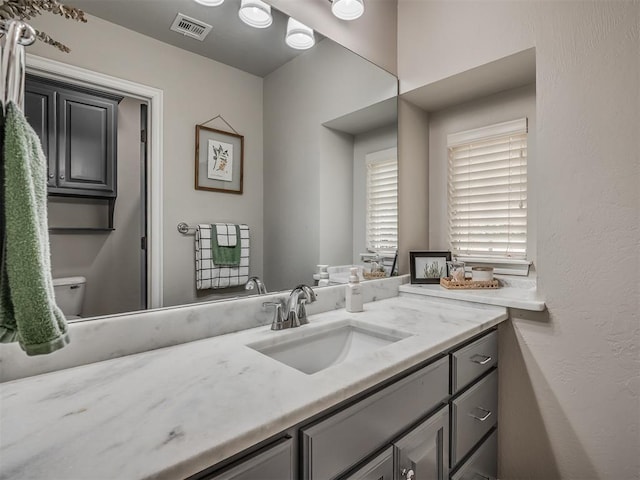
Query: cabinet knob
[
  {"x": 51, "y": 175},
  {"x": 61, "y": 177},
  {"x": 408, "y": 474}
]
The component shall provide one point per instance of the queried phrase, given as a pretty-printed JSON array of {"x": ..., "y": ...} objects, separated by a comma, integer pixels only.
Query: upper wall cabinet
[{"x": 78, "y": 130}]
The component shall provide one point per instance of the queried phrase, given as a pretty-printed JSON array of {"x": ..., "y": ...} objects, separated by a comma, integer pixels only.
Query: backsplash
[{"x": 115, "y": 336}]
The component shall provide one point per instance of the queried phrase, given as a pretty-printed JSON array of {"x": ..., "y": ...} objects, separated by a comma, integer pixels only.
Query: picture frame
[
  {"x": 219, "y": 160},
  {"x": 428, "y": 266}
]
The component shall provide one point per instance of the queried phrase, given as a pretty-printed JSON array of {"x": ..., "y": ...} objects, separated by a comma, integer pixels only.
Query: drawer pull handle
[
  {"x": 481, "y": 359},
  {"x": 408, "y": 474},
  {"x": 483, "y": 416}
]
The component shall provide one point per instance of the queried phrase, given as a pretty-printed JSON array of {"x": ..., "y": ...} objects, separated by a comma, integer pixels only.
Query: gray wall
[
  {"x": 569, "y": 397},
  {"x": 110, "y": 261},
  {"x": 509, "y": 105},
  {"x": 303, "y": 196},
  {"x": 195, "y": 89},
  {"x": 413, "y": 179},
  {"x": 365, "y": 143}
]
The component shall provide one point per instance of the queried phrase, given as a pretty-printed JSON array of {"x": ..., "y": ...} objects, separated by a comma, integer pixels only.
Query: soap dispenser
[{"x": 354, "y": 301}]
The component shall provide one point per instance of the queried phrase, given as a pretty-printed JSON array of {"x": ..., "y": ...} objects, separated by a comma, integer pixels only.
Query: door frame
[{"x": 48, "y": 68}]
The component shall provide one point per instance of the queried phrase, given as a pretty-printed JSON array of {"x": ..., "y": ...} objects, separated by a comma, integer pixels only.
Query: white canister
[{"x": 482, "y": 274}]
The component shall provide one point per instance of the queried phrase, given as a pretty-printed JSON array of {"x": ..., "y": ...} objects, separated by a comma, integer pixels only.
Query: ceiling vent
[{"x": 190, "y": 27}]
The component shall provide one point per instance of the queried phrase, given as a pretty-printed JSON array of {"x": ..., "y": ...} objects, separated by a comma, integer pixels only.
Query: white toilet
[{"x": 69, "y": 293}]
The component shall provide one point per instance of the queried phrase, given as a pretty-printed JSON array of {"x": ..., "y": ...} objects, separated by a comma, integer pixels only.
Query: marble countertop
[
  {"x": 506, "y": 296},
  {"x": 173, "y": 412}
]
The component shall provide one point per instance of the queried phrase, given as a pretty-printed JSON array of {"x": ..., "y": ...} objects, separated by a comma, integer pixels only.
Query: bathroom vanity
[{"x": 229, "y": 406}]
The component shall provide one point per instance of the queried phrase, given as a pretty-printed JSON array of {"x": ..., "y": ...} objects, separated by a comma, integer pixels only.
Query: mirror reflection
[{"x": 320, "y": 160}]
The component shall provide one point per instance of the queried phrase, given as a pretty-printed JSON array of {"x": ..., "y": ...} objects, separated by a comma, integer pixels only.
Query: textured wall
[{"x": 569, "y": 377}]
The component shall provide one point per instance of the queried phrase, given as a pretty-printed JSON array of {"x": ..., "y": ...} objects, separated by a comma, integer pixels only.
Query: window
[
  {"x": 487, "y": 185},
  {"x": 382, "y": 201}
]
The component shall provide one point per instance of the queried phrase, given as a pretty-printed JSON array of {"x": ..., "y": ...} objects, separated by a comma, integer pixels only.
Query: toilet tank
[{"x": 69, "y": 292}]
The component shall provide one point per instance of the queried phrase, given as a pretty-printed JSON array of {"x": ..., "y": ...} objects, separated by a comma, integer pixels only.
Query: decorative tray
[
  {"x": 468, "y": 284},
  {"x": 373, "y": 275}
]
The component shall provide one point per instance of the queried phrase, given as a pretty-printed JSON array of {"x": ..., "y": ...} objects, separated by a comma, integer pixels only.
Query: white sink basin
[{"x": 311, "y": 350}]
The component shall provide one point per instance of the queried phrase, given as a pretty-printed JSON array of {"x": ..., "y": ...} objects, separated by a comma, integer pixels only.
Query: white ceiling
[{"x": 257, "y": 51}]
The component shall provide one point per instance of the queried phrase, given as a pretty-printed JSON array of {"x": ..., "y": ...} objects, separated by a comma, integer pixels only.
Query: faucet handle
[{"x": 278, "y": 322}]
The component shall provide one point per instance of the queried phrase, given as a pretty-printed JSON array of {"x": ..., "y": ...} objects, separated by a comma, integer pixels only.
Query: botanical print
[
  {"x": 220, "y": 161},
  {"x": 430, "y": 267}
]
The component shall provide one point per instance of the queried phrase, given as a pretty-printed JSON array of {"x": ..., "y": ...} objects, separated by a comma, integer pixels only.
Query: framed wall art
[
  {"x": 428, "y": 267},
  {"x": 219, "y": 160}
]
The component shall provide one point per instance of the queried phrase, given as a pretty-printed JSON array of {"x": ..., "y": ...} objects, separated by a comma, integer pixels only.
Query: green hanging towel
[{"x": 28, "y": 311}]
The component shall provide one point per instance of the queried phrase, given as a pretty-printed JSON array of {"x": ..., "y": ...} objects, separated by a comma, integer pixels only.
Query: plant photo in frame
[
  {"x": 219, "y": 160},
  {"x": 428, "y": 267}
]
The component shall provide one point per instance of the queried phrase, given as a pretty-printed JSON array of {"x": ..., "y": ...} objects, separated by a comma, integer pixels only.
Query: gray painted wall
[
  {"x": 304, "y": 196},
  {"x": 195, "y": 89},
  {"x": 413, "y": 176},
  {"x": 110, "y": 261},
  {"x": 365, "y": 143},
  {"x": 569, "y": 398}
]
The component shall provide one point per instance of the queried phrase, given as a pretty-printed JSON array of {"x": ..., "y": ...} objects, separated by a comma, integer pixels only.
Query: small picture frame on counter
[{"x": 428, "y": 266}]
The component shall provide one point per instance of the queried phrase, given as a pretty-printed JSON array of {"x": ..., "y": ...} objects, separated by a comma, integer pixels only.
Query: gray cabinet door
[
  {"x": 272, "y": 463},
  {"x": 87, "y": 130},
  {"x": 380, "y": 468},
  {"x": 423, "y": 452},
  {"x": 334, "y": 445},
  {"x": 39, "y": 108}
]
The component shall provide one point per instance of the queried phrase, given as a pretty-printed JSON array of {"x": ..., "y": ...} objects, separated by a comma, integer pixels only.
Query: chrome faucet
[
  {"x": 255, "y": 282},
  {"x": 300, "y": 296},
  {"x": 294, "y": 313}
]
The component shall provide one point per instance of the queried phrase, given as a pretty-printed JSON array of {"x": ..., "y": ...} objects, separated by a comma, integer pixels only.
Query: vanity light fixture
[
  {"x": 255, "y": 13},
  {"x": 209, "y": 3},
  {"x": 299, "y": 36},
  {"x": 347, "y": 9}
]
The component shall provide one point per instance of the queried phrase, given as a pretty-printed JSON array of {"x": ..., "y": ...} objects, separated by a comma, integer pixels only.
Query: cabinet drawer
[
  {"x": 483, "y": 464},
  {"x": 471, "y": 361},
  {"x": 333, "y": 445},
  {"x": 473, "y": 414}
]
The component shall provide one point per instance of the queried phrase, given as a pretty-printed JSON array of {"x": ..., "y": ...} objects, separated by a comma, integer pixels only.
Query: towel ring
[{"x": 27, "y": 33}]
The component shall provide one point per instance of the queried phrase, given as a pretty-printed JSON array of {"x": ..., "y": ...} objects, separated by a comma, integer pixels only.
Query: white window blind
[
  {"x": 382, "y": 202},
  {"x": 488, "y": 191}
]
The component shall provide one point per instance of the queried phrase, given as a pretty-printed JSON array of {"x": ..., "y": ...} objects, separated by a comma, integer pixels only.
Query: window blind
[
  {"x": 487, "y": 186},
  {"x": 382, "y": 205}
]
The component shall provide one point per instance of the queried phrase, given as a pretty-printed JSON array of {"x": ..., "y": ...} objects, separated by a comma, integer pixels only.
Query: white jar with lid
[{"x": 482, "y": 274}]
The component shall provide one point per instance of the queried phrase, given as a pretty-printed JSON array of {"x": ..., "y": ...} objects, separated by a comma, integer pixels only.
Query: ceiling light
[
  {"x": 299, "y": 36},
  {"x": 210, "y": 3},
  {"x": 347, "y": 9},
  {"x": 255, "y": 13}
]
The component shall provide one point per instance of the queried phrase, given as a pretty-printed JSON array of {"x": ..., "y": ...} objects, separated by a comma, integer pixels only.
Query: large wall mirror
[{"x": 311, "y": 120}]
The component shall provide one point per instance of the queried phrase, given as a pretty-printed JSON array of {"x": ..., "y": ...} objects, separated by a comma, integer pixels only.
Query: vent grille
[{"x": 190, "y": 27}]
